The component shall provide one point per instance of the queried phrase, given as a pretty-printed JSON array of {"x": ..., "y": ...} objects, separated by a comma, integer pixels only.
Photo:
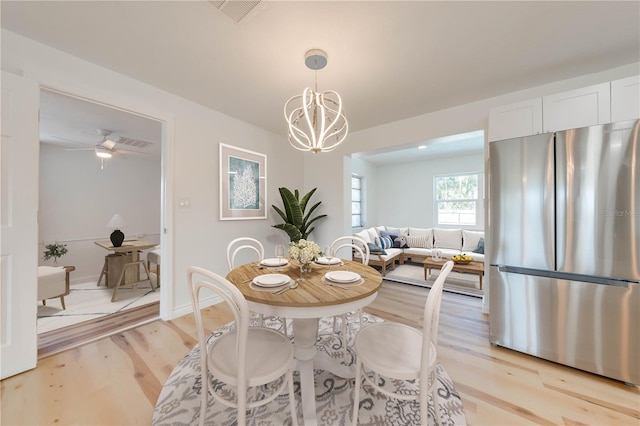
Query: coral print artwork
[{"x": 243, "y": 180}]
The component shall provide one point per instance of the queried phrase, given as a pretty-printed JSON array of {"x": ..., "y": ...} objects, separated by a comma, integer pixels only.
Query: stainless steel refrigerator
[{"x": 564, "y": 226}]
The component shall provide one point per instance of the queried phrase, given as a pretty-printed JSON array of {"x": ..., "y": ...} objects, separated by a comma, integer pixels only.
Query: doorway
[{"x": 80, "y": 192}]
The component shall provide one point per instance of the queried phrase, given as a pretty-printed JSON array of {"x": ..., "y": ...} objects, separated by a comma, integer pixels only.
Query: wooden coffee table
[{"x": 476, "y": 268}]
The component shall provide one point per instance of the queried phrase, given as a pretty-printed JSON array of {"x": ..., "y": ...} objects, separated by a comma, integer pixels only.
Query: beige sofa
[{"x": 420, "y": 244}]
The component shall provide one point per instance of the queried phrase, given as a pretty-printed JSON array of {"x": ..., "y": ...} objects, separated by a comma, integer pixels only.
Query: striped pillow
[
  {"x": 386, "y": 242},
  {"x": 419, "y": 241}
]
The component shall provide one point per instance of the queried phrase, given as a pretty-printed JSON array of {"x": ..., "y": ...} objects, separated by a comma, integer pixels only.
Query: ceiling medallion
[{"x": 316, "y": 120}]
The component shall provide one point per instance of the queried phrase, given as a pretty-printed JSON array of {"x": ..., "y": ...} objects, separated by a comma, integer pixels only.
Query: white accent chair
[
  {"x": 52, "y": 283},
  {"x": 245, "y": 357},
  {"x": 359, "y": 246},
  {"x": 399, "y": 352}
]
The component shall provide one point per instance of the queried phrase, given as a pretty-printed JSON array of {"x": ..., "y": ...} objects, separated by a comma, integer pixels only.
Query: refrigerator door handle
[{"x": 616, "y": 282}]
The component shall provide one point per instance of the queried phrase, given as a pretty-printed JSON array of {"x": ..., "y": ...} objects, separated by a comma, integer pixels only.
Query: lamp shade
[{"x": 116, "y": 222}]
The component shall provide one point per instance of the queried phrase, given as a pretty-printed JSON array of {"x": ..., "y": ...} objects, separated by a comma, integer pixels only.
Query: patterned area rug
[{"x": 179, "y": 400}]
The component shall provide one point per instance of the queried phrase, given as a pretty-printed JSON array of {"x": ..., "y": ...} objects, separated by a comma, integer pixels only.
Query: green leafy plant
[
  {"x": 54, "y": 251},
  {"x": 297, "y": 224}
]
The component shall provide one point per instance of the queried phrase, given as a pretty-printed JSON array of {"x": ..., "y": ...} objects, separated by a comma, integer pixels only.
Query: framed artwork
[{"x": 243, "y": 184}]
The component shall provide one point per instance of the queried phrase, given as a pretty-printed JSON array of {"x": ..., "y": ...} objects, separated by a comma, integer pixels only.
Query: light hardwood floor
[{"x": 116, "y": 380}]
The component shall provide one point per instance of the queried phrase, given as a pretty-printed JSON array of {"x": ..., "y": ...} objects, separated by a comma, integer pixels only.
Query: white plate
[
  {"x": 342, "y": 276},
  {"x": 271, "y": 280},
  {"x": 274, "y": 262},
  {"x": 324, "y": 261}
]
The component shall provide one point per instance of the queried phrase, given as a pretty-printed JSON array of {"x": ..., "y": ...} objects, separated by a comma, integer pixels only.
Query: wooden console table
[
  {"x": 476, "y": 268},
  {"x": 132, "y": 247}
]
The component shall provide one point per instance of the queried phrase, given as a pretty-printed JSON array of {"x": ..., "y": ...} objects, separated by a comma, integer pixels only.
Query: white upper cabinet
[
  {"x": 625, "y": 99},
  {"x": 515, "y": 120},
  {"x": 577, "y": 108}
]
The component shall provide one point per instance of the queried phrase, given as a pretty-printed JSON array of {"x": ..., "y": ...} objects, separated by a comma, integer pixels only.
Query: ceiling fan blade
[
  {"x": 79, "y": 149},
  {"x": 118, "y": 154},
  {"x": 128, "y": 151}
]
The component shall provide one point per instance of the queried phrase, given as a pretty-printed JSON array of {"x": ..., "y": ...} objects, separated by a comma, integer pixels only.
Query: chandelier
[{"x": 316, "y": 120}]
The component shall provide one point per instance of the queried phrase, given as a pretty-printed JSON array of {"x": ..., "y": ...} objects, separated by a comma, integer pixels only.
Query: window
[
  {"x": 356, "y": 201},
  {"x": 458, "y": 199}
]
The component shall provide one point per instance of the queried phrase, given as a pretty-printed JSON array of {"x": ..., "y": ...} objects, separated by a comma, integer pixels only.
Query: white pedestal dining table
[{"x": 305, "y": 305}]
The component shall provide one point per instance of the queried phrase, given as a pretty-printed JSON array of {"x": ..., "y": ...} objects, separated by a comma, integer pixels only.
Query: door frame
[{"x": 151, "y": 112}]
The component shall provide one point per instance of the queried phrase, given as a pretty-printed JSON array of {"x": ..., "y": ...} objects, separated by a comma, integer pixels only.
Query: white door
[{"x": 19, "y": 158}]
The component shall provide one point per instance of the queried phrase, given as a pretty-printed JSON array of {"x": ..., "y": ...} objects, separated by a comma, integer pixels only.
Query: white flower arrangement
[{"x": 304, "y": 251}]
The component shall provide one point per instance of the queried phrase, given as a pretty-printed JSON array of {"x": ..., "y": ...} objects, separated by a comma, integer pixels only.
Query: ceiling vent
[
  {"x": 237, "y": 10},
  {"x": 134, "y": 142}
]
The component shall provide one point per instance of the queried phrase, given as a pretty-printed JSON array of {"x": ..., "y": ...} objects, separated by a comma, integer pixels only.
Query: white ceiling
[
  {"x": 448, "y": 146},
  {"x": 389, "y": 60},
  {"x": 73, "y": 123}
]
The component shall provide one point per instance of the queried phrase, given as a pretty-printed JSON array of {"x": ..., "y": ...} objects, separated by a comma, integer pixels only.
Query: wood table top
[
  {"x": 126, "y": 246},
  {"x": 312, "y": 291}
]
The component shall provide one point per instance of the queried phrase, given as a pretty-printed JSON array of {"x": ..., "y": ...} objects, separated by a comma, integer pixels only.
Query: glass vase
[{"x": 305, "y": 268}]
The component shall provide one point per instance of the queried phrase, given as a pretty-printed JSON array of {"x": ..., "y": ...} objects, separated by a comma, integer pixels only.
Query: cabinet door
[
  {"x": 516, "y": 120},
  {"x": 625, "y": 99},
  {"x": 583, "y": 107}
]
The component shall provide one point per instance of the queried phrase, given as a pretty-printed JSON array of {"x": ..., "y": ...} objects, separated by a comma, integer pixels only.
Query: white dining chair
[
  {"x": 252, "y": 245},
  {"x": 360, "y": 247},
  {"x": 243, "y": 243},
  {"x": 400, "y": 352},
  {"x": 237, "y": 358}
]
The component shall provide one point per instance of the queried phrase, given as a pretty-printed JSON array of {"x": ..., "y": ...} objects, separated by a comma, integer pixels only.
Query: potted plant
[
  {"x": 296, "y": 224},
  {"x": 54, "y": 251}
]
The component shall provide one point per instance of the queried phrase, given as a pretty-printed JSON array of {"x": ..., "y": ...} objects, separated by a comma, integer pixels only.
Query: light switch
[{"x": 184, "y": 203}]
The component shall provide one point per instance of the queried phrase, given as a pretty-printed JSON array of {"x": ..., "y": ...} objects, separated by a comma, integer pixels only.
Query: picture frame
[{"x": 243, "y": 184}]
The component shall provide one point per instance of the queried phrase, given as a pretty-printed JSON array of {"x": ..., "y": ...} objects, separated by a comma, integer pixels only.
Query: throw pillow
[
  {"x": 448, "y": 238},
  {"x": 389, "y": 234},
  {"x": 470, "y": 239},
  {"x": 392, "y": 235},
  {"x": 398, "y": 231},
  {"x": 400, "y": 242},
  {"x": 375, "y": 249},
  {"x": 423, "y": 232},
  {"x": 364, "y": 235},
  {"x": 419, "y": 241},
  {"x": 480, "y": 248},
  {"x": 386, "y": 242},
  {"x": 373, "y": 236}
]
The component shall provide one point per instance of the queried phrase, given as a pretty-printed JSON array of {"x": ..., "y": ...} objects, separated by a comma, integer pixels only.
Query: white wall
[
  {"x": 78, "y": 198},
  {"x": 452, "y": 121},
  {"x": 191, "y": 135},
  {"x": 405, "y": 191}
]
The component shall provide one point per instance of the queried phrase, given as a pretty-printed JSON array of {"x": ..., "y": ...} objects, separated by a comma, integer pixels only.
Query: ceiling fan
[{"x": 107, "y": 148}]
